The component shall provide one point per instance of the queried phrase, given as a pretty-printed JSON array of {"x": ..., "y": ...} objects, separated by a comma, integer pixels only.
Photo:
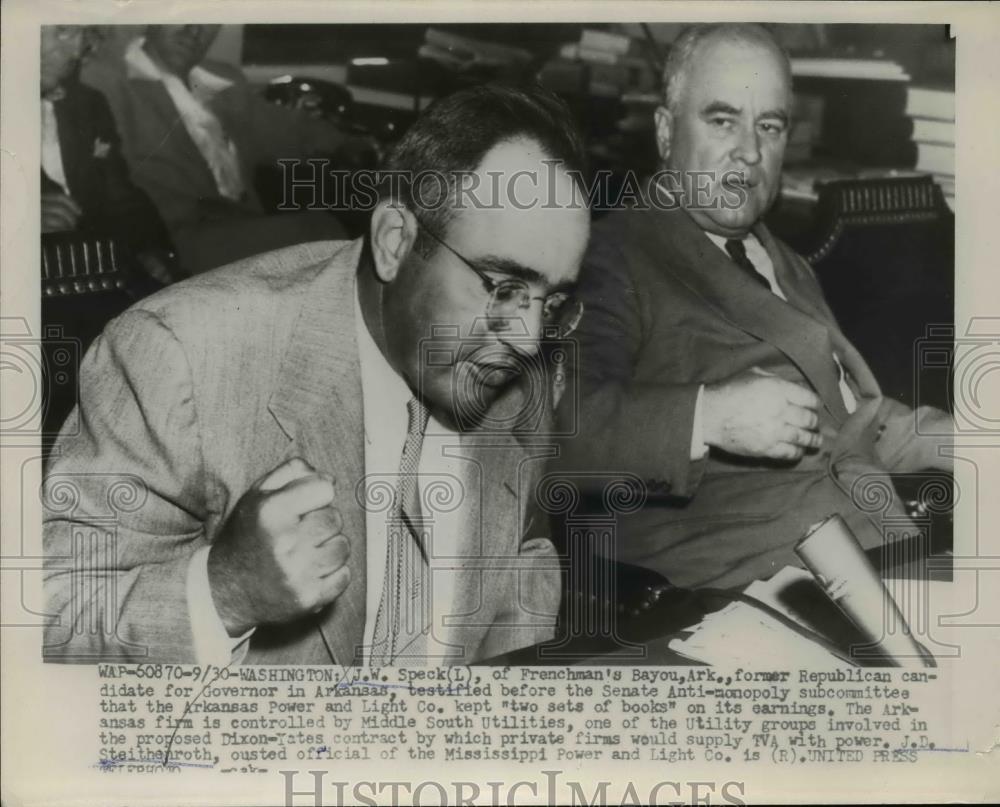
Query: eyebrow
[
  {"x": 780, "y": 114},
  {"x": 721, "y": 107},
  {"x": 717, "y": 107},
  {"x": 506, "y": 266},
  {"x": 511, "y": 268}
]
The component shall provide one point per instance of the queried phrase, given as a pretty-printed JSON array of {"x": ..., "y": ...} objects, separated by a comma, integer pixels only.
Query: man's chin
[
  {"x": 734, "y": 223},
  {"x": 477, "y": 387}
]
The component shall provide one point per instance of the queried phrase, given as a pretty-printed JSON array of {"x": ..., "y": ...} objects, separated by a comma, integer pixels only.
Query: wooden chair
[{"x": 884, "y": 252}]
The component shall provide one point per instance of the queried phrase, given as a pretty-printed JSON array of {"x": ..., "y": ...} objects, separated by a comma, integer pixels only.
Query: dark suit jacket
[
  {"x": 97, "y": 174},
  {"x": 667, "y": 311},
  {"x": 196, "y": 392}
]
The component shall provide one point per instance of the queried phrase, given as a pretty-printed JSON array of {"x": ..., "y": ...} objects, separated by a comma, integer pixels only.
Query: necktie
[
  {"x": 404, "y": 609},
  {"x": 738, "y": 252}
]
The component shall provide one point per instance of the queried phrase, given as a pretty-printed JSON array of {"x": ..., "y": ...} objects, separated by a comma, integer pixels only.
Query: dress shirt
[
  {"x": 201, "y": 124},
  {"x": 52, "y": 163},
  {"x": 385, "y": 395},
  {"x": 765, "y": 266}
]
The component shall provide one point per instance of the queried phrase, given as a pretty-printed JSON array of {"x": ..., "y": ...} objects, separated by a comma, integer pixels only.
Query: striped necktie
[{"x": 404, "y": 609}]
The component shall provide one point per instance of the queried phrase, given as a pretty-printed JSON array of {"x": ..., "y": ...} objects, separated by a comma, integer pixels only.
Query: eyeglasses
[{"x": 561, "y": 313}]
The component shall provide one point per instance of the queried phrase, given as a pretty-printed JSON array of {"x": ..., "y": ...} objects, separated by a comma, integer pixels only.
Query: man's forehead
[
  {"x": 526, "y": 210},
  {"x": 519, "y": 172},
  {"x": 737, "y": 66}
]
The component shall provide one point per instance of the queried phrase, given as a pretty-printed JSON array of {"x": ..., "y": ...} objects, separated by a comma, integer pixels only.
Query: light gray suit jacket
[{"x": 195, "y": 393}]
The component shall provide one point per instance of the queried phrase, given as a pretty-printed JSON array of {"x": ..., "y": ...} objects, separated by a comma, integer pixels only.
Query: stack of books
[
  {"x": 614, "y": 63},
  {"x": 933, "y": 114},
  {"x": 870, "y": 69}
]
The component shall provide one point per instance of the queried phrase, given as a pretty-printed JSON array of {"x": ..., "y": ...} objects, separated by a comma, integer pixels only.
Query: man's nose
[
  {"x": 525, "y": 333},
  {"x": 747, "y": 148}
]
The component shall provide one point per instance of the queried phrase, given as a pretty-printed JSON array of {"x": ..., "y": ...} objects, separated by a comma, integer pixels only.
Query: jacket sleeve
[
  {"x": 621, "y": 424},
  {"x": 912, "y": 439},
  {"x": 125, "y": 502}
]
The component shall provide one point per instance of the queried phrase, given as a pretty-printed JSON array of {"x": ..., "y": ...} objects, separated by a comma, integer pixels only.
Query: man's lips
[{"x": 736, "y": 180}]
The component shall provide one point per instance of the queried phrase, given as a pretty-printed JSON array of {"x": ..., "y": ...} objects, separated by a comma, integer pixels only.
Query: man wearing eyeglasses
[{"x": 328, "y": 442}]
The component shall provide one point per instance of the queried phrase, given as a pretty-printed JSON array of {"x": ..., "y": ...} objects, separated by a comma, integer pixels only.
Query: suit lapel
[
  {"x": 690, "y": 256},
  {"x": 318, "y": 404},
  {"x": 804, "y": 292},
  {"x": 186, "y": 155},
  {"x": 491, "y": 540},
  {"x": 74, "y": 130}
]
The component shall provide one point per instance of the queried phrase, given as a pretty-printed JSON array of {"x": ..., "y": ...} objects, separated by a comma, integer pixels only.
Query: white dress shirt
[
  {"x": 52, "y": 162},
  {"x": 201, "y": 124},
  {"x": 765, "y": 266},
  {"x": 385, "y": 395}
]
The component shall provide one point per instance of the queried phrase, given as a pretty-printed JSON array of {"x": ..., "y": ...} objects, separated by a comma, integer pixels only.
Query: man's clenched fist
[{"x": 281, "y": 554}]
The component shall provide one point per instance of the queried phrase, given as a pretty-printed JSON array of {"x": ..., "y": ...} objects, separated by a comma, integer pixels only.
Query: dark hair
[{"x": 455, "y": 133}]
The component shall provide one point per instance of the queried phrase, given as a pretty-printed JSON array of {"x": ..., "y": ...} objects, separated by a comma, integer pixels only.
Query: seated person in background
[
  {"x": 193, "y": 132},
  {"x": 85, "y": 184},
  {"x": 709, "y": 362}
]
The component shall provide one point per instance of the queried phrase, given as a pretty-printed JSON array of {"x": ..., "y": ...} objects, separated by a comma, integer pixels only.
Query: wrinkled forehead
[
  {"x": 726, "y": 68},
  {"x": 525, "y": 206}
]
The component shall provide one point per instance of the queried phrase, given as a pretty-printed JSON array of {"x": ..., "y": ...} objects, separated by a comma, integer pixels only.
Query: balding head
[
  {"x": 724, "y": 124},
  {"x": 691, "y": 41}
]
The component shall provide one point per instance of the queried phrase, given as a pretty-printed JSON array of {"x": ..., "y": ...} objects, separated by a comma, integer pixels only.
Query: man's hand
[
  {"x": 59, "y": 212},
  {"x": 754, "y": 414},
  {"x": 281, "y": 554},
  {"x": 159, "y": 265}
]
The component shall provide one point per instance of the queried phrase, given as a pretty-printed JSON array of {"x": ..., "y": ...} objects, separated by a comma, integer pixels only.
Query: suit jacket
[
  {"x": 97, "y": 174},
  {"x": 667, "y": 311},
  {"x": 165, "y": 160},
  {"x": 199, "y": 390}
]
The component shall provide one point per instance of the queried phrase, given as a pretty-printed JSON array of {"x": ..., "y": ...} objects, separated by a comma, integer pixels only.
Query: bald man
[{"x": 709, "y": 362}]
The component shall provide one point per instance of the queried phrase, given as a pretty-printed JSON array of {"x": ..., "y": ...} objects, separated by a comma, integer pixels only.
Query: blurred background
[{"x": 868, "y": 188}]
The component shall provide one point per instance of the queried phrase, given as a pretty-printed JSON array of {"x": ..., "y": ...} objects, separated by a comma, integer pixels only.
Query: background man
[
  {"x": 710, "y": 362},
  {"x": 85, "y": 181},
  {"x": 277, "y": 415},
  {"x": 194, "y": 133}
]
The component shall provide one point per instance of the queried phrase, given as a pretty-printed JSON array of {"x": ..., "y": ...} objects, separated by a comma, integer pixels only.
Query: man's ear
[
  {"x": 393, "y": 233},
  {"x": 664, "y": 120}
]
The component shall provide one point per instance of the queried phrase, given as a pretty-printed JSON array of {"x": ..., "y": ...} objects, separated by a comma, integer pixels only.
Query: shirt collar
[
  {"x": 54, "y": 95},
  {"x": 720, "y": 240}
]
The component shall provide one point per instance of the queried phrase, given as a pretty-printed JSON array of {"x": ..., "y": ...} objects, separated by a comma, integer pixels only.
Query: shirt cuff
[
  {"x": 212, "y": 642},
  {"x": 698, "y": 447}
]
